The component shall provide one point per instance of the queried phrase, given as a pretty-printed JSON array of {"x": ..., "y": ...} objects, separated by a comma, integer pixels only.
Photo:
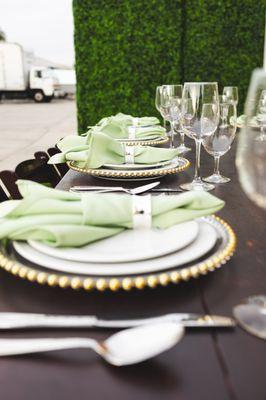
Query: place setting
[
  {"x": 118, "y": 238},
  {"x": 101, "y": 154}
]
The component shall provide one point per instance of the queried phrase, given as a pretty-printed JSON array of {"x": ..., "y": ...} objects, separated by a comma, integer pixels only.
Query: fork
[{"x": 103, "y": 189}]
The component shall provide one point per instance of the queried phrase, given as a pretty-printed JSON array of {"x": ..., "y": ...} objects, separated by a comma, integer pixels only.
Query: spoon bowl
[
  {"x": 252, "y": 318},
  {"x": 126, "y": 347}
]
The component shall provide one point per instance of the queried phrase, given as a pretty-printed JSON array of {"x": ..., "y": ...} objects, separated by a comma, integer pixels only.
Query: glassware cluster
[{"x": 205, "y": 117}]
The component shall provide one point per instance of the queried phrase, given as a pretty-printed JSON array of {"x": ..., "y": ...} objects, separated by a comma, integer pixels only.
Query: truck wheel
[{"x": 38, "y": 96}]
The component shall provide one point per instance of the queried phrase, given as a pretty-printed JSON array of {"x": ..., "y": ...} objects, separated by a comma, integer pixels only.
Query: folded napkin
[
  {"x": 98, "y": 149},
  {"x": 122, "y": 126},
  {"x": 242, "y": 120},
  {"x": 64, "y": 219}
]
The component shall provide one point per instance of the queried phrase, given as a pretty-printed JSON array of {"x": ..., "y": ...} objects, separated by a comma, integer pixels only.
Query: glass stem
[
  {"x": 172, "y": 134},
  {"x": 197, "y": 166},
  {"x": 182, "y": 138},
  {"x": 216, "y": 165}
]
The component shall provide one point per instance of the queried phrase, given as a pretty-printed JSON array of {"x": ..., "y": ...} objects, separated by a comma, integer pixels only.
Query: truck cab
[{"x": 42, "y": 84}]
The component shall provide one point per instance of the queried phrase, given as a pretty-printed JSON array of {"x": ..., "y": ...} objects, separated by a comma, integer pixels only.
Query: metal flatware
[
  {"x": 103, "y": 189},
  {"x": 126, "y": 347},
  {"x": 169, "y": 190},
  {"x": 28, "y": 320}
]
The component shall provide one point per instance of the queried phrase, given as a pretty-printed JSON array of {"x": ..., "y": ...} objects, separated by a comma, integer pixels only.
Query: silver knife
[{"x": 15, "y": 320}]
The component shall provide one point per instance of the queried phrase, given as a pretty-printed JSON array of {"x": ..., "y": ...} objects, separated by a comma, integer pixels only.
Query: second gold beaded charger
[{"x": 212, "y": 256}]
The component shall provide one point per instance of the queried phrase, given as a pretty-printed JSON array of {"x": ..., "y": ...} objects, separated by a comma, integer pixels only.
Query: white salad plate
[
  {"x": 129, "y": 245},
  {"x": 139, "y": 166},
  {"x": 204, "y": 242}
]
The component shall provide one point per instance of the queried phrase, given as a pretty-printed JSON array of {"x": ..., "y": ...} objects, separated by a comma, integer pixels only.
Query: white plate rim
[
  {"x": 142, "y": 267},
  {"x": 190, "y": 229}
]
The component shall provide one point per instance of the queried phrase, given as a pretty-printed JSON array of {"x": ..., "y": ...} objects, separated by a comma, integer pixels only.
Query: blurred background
[{"x": 123, "y": 50}]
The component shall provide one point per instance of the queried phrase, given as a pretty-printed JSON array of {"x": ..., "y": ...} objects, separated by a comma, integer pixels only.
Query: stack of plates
[
  {"x": 131, "y": 259},
  {"x": 131, "y": 252},
  {"x": 136, "y": 172}
]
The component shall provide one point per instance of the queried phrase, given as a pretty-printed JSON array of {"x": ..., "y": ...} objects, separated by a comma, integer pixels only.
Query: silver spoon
[
  {"x": 251, "y": 315},
  {"x": 126, "y": 347},
  {"x": 102, "y": 189}
]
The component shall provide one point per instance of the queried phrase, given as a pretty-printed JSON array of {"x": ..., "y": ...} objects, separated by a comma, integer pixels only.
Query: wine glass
[
  {"x": 168, "y": 102},
  {"x": 220, "y": 141},
  {"x": 231, "y": 94},
  {"x": 251, "y": 150},
  {"x": 200, "y": 116}
]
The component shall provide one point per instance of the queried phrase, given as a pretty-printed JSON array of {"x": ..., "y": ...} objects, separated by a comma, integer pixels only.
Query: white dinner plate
[
  {"x": 129, "y": 245},
  {"x": 132, "y": 167},
  {"x": 204, "y": 242}
]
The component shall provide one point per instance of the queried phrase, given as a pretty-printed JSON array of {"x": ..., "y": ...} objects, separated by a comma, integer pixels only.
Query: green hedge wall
[
  {"x": 125, "y": 48},
  {"x": 224, "y": 42}
]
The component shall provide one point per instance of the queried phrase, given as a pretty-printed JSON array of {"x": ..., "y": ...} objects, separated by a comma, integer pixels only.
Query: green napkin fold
[
  {"x": 118, "y": 126},
  {"x": 64, "y": 219},
  {"x": 98, "y": 149},
  {"x": 130, "y": 120}
]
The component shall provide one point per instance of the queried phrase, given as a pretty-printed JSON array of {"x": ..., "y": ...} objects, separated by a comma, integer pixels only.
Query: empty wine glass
[
  {"x": 168, "y": 103},
  {"x": 220, "y": 141},
  {"x": 251, "y": 150},
  {"x": 231, "y": 94},
  {"x": 200, "y": 115}
]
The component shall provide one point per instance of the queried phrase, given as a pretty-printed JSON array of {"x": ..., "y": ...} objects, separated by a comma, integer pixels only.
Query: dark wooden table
[{"x": 206, "y": 365}]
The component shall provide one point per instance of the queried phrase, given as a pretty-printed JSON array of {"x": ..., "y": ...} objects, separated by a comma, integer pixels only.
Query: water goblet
[
  {"x": 200, "y": 115},
  {"x": 220, "y": 141}
]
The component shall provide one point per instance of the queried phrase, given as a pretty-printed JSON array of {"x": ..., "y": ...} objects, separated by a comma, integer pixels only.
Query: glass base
[
  {"x": 183, "y": 149},
  {"x": 217, "y": 178},
  {"x": 197, "y": 185}
]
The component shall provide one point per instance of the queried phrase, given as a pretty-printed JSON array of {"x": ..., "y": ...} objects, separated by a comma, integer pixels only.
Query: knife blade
[{"x": 29, "y": 320}]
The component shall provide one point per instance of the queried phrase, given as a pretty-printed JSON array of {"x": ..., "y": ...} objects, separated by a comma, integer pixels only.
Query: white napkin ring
[
  {"x": 142, "y": 216},
  {"x": 129, "y": 154},
  {"x": 132, "y": 132},
  {"x": 135, "y": 121}
]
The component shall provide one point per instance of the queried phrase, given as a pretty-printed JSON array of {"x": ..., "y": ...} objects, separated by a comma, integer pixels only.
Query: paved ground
[{"x": 26, "y": 127}]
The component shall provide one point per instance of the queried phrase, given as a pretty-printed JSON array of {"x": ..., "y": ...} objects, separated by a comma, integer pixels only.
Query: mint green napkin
[
  {"x": 65, "y": 219},
  {"x": 98, "y": 149},
  {"x": 118, "y": 126},
  {"x": 130, "y": 120}
]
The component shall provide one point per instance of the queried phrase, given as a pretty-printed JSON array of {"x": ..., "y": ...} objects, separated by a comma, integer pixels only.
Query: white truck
[
  {"x": 66, "y": 85},
  {"x": 18, "y": 79}
]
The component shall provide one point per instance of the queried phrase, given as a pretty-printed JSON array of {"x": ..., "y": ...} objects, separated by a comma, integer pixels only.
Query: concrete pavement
[{"x": 27, "y": 127}]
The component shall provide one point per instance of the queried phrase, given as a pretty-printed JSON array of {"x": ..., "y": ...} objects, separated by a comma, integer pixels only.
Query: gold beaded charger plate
[
  {"x": 145, "y": 142},
  {"x": 178, "y": 164},
  {"x": 218, "y": 256}
]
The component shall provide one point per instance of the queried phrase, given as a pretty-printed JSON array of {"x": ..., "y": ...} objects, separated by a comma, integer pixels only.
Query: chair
[{"x": 35, "y": 169}]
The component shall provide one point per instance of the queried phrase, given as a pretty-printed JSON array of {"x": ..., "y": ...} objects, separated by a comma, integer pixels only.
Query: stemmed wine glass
[
  {"x": 251, "y": 165},
  {"x": 220, "y": 141},
  {"x": 168, "y": 102},
  {"x": 231, "y": 94},
  {"x": 251, "y": 150},
  {"x": 200, "y": 116}
]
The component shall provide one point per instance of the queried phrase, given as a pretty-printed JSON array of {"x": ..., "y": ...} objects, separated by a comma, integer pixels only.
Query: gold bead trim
[
  {"x": 132, "y": 174},
  {"x": 125, "y": 283},
  {"x": 145, "y": 142}
]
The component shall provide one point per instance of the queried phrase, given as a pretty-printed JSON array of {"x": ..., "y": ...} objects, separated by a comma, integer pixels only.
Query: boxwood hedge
[{"x": 125, "y": 48}]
